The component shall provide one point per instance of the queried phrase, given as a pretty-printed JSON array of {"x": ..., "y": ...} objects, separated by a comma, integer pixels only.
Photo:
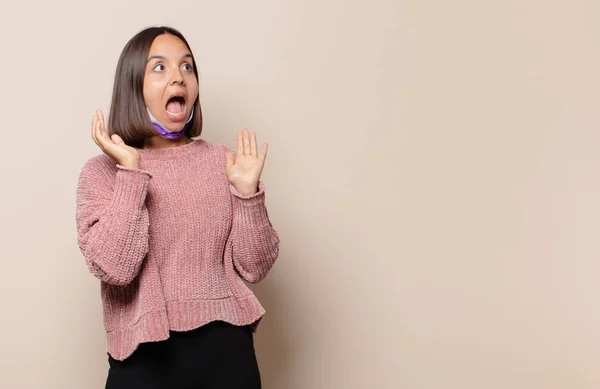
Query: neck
[{"x": 158, "y": 142}]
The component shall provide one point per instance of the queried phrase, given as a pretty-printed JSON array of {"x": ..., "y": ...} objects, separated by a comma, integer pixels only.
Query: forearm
[
  {"x": 115, "y": 243},
  {"x": 255, "y": 241}
]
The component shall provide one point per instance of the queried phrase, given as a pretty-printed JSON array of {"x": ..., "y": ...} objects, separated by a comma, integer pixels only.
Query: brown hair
[{"x": 128, "y": 116}]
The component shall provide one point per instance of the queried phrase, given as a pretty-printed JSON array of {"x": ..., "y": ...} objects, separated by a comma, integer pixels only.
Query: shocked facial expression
[{"x": 170, "y": 85}]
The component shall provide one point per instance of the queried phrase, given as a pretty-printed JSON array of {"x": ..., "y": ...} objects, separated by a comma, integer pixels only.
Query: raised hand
[
  {"x": 244, "y": 170},
  {"x": 113, "y": 146}
]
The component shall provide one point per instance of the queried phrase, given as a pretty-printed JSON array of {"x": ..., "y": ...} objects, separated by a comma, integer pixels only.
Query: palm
[
  {"x": 113, "y": 146},
  {"x": 244, "y": 170}
]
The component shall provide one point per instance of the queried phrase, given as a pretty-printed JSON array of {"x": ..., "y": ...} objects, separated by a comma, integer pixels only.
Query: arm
[
  {"x": 255, "y": 242},
  {"x": 112, "y": 220}
]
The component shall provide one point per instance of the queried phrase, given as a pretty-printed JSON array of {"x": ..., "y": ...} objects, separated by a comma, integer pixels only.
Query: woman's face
[{"x": 170, "y": 85}]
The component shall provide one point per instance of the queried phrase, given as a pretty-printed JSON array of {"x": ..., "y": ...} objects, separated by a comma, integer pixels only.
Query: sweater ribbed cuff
[
  {"x": 251, "y": 209},
  {"x": 131, "y": 186},
  {"x": 128, "y": 169}
]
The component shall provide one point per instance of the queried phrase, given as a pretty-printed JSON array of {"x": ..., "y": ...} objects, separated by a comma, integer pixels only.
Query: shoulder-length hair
[{"x": 128, "y": 116}]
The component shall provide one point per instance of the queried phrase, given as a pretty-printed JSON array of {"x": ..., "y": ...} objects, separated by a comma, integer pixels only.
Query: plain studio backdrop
[{"x": 432, "y": 172}]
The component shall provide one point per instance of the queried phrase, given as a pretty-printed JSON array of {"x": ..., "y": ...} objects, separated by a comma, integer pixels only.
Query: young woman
[{"x": 173, "y": 226}]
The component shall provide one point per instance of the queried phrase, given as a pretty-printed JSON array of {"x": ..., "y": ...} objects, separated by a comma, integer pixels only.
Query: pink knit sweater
[{"x": 172, "y": 243}]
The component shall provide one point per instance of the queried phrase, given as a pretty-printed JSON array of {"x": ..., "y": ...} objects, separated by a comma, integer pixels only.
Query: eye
[
  {"x": 188, "y": 67},
  {"x": 159, "y": 67}
]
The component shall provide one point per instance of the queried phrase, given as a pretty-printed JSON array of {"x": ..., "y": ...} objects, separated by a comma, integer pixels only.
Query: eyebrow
[{"x": 163, "y": 57}]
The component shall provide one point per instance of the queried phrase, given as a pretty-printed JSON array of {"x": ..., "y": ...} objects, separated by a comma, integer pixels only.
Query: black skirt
[{"x": 218, "y": 355}]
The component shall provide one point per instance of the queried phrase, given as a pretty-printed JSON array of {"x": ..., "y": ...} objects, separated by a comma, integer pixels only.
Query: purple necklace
[{"x": 162, "y": 131}]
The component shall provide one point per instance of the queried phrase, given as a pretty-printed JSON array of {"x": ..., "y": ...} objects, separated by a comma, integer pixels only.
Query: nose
[{"x": 177, "y": 76}]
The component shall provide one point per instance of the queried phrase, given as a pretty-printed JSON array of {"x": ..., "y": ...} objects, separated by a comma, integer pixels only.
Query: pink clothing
[{"x": 172, "y": 243}]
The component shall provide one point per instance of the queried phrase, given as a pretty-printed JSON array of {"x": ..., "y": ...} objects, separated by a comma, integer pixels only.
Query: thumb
[
  {"x": 229, "y": 158},
  {"x": 117, "y": 139}
]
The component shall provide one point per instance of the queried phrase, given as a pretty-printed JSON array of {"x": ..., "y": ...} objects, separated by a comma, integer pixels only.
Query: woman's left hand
[{"x": 244, "y": 170}]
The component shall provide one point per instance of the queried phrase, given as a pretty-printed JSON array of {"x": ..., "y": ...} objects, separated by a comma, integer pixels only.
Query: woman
[{"x": 173, "y": 226}]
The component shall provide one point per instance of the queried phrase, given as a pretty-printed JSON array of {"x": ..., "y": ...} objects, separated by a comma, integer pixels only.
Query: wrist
[
  {"x": 130, "y": 164},
  {"x": 247, "y": 190}
]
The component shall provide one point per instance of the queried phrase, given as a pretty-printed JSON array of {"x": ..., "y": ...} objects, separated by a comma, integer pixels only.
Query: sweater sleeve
[
  {"x": 255, "y": 242},
  {"x": 112, "y": 220}
]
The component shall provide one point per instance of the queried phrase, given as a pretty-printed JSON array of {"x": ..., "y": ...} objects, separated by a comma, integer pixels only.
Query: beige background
[{"x": 433, "y": 174}]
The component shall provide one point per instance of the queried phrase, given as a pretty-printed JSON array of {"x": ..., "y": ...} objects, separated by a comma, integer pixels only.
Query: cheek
[
  {"x": 152, "y": 94},
  {"x": 194, "y": 90}
]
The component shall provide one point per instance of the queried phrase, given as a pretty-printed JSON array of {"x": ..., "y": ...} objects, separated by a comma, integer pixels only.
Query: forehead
[{"x": 168, "y": 45}]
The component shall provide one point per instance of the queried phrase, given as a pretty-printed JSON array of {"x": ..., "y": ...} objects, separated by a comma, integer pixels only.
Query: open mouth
[{"x": 176, "y": 107}]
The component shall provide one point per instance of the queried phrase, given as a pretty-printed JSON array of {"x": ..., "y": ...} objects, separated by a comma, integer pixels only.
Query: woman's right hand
[{"x": 114, "y": 146}]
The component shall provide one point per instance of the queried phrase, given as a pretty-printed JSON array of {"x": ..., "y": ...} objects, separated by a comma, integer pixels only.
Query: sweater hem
[
  {"x": 152, "y": 327},
  {"x": 186, "y": 315},
  {"x": 180, "y": 316}
]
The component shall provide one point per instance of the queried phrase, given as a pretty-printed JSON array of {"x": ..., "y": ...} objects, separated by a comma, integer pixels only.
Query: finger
[
  {"x": 246, "y": 142},
  {"x": 97, "y": 124},
  {"x": 94, "y": 128},
  {"x": 240, "y": 144},
  {"x": 97, "y": 132},
  {"x": 100, "y": 141},
  {"x": 102, "y": 136},
  {"x": 102, "y": 133},
  {"x": 101, "y": 118},
  {"x": 101, "y": 128},
  {"x": 263, "y": 152},
  {"x": 253, "y": 145}
]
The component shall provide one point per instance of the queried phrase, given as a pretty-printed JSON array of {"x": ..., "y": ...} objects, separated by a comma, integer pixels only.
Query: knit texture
[{"x": 172, "y": 243}]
